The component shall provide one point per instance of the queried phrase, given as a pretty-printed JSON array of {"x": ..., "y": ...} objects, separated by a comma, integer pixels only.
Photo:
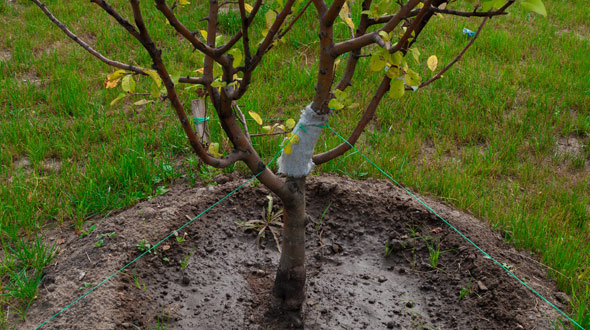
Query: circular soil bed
[{"x": 214, "y": 276}]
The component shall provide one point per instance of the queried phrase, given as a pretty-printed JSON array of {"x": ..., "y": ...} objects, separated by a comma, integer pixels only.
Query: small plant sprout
[
  {"x": 143, "y": 246},
  {"x": 270, "y": 220},
  {"x": 85, "y": 233},
  {"x": 388, "y": 250},
  {"x": 138, "y": 283},
  {"x": 185, "y": 260},
  {"x": 319, "y": 224},
  {"x": 179, "y": 238},
  {"x": 99, "y": 243}
]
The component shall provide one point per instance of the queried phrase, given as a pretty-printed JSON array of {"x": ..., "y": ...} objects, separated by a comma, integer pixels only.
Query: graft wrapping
[{"x": 298, "y": 163}]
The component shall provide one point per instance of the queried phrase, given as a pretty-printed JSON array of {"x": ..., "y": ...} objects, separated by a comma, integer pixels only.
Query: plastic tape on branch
[{"x": 298, "y": 163}]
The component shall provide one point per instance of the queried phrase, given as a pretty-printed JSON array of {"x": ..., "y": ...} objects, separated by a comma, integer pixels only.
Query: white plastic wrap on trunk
[{"x": 298, "y": 163}]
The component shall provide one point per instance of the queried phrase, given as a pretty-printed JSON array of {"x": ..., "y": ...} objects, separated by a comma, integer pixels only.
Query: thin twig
[{"x": 456, "y": 59}]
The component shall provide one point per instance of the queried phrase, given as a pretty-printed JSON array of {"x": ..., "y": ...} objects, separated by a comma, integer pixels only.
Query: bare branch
[
  {"x": 457, "y": 58},
  {"x": 320, "y": 6},
  {"x": 282, "y": 33},
  {"x": 332, "y": 13},
  {"x": 84, "y": 45},
  {"x": 123, "y": 22},
  {"x": 412, "y": 29},
  {"x": 183, "y": 30},
  {"x": 470, "y": 13},
  {"x": 242, "y": 120}
]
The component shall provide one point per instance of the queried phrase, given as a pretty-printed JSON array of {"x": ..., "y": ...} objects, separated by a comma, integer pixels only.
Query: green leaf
[
  {"x": 412, "y": 78},
  {"x": 290, "y": 123},
  {"x": 128, "y": 84},
  {"x": 122, "y": 95},
  {"x": 340, "y": 95},
  {"x": 143, "y": 101},
  {"x": 256, "y": 117},
  {"x": 396, "y": 58},
  {"x": 237, "y": 55},
  {"x": 535, "y": 5},
  {"x": 384, "y": 35},
  {"x": 397, "y": 89},
  {"x": 393, "y": 72},
  {"x": 270, "y": 17},
  {"x": 376, "y": 63},
  {"x": 491, "y": 4},
  {"x": 155, "y": 90},
  {"x": 175, "y": 78},
  {"x": 214, "y": 149},
  {"x": 154, "y": 76},
  {"x": 415, "y": 54},
  {"x": 218, "y": 84},
  {"x": 335, "y": 104}
]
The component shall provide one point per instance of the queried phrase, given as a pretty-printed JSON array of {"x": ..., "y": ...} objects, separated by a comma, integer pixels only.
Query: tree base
[{"x": 289, "y": 287}]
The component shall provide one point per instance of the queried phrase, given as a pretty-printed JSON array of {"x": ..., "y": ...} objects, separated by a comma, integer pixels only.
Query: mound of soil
[{"x": 214, "y": 276}]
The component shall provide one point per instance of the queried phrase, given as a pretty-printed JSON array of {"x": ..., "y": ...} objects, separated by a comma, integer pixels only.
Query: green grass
[{"x": 505, "y": 134}]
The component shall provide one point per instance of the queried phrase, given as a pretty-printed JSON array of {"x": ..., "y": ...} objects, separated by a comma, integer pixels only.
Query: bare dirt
[{"x": 350, "y": 284}]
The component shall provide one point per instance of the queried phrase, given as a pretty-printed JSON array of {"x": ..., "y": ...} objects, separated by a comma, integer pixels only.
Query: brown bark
[{"x": 289, "y": 283}]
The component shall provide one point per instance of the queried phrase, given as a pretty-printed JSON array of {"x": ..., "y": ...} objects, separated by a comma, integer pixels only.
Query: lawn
[{"x": 504, "y": 135}]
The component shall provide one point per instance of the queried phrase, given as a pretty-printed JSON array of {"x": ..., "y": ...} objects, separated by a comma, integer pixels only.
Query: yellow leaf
[
  {"x": 115, "y": 75},
  {"x": 290, "y": 123},
  {"x": 349, "y": 22},
  {"x": 122, "y": 95},
  {"x": 345, "y": 15},
  {"x": 288, "y": 149},
  {"x": 294, "y": 139},
  {"x": 201, "y": 70},
  {"x": 248, "y": 8},
  {"x": 214, "y": 149},
  {"x": 154, "y": 76},
  {"x": 256, "y": 117},
  {"x": 267, "y": 129},
  {"x": 184, "y": 2},
  {"x": 111, "y": 83},
  {"x": 204, "y": 34},
  {"x": 432, "y": 62}
]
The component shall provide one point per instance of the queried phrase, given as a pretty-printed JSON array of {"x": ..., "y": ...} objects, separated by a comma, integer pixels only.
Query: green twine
[
  {"x": 199, "y": 120},
  {"x": 455, "y": 229}
]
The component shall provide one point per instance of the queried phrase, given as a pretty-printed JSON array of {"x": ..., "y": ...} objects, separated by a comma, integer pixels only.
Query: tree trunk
[{"x": 290, "y": 280}]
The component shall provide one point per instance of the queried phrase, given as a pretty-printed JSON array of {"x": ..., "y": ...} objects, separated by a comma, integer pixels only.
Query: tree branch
[
  {"x": 84, "y": 45},
  {"x": 370, "y": 38},
  {"x": 360, "y": 127},
  {"x": 194, "y": 140},
  {"x": 456, "y": 59},
  {"x": 284, "y": 32},
  {"x": 350, "y": 69},
  {"x": 123, "y": 22},
  {"x": 332, "y": 12},
  {"x": 183, "y": 30}
]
